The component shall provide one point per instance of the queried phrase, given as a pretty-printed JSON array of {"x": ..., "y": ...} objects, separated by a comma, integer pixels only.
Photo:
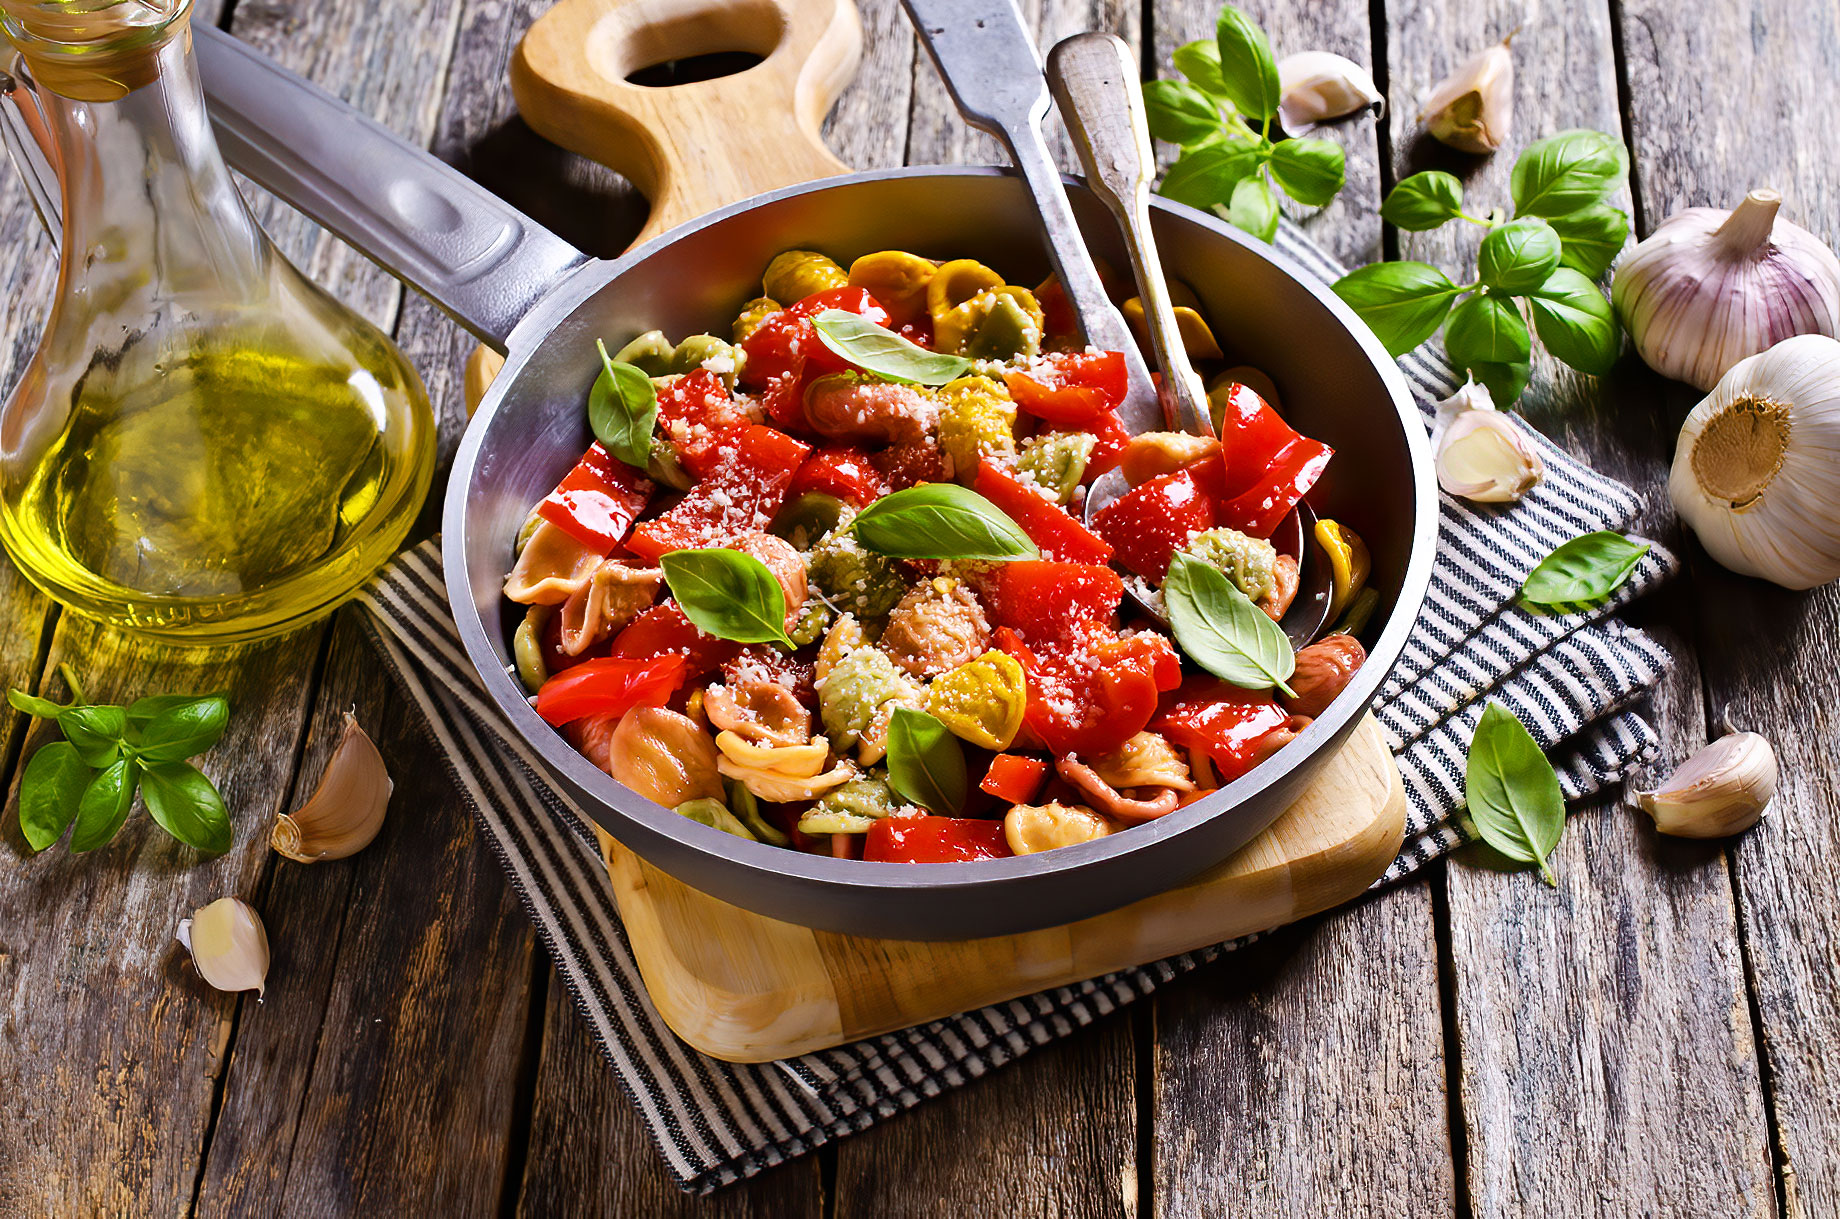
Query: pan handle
[{"x": 478, "y": 258}]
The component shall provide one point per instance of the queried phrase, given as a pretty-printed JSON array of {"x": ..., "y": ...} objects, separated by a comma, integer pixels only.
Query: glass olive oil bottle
[{"x": 206, "y": 446}]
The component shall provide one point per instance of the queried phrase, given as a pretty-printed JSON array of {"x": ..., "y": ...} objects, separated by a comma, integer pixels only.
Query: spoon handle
[
  {"x": 993, "y": 71},
  {"x": 1094, "y": 78}
]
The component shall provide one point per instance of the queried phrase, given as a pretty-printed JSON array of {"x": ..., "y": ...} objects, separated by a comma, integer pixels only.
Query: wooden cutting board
[{"x": 747, "y": 988}]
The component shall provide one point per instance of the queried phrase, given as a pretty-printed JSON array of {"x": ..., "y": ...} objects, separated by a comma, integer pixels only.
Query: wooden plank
[
  {"x": 1610, "y": 1014},
  {"x": 1724, "y": 98}
]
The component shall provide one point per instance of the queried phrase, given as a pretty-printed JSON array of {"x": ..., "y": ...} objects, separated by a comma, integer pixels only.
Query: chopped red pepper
[
  {"x": 1112, "y": 437},
  {"x": 1059, "y": 321},
  {"x": 847, "y": 473},
  {"x": 695, "y": 411},
  {"x": 1148, "y": 524},
  {"x": 663, "y": 630},
  {"x": 597, "y": 502},
  {"x": 1070, "y": 389},
  {"x": 1044, "y": 600},
  {"x": 787, "y": 338},
  {"x": 609, "y": 686},
  {"x": 1222, "y": 721},
  {"x": 910, "y": 464},
  {"x": 1048, "y": 524},
  {"x": 1014, "y": 778},
  {"x": 1091, "y": 693},
  {"x": 929, "y": 839},
  {"x": 753, "y": 466},
  {"x": 1265, "y": 465}
]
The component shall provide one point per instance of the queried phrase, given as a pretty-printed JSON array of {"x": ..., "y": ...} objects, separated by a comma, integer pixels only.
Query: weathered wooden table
[{"x": 1655, "y": 1037}]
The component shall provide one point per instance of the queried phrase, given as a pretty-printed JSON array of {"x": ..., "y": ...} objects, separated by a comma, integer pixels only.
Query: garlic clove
[
  {"x": 1472, "y": 109},
  {"x": 1316, "y": 86},
  {"x": 345, "y": 811},
  {"x": 1719, "y": 791},
  {"x": 1709, "y": 288},
  {"x": 228, "y": 945},
  {"x": 1481, "y": 455}
]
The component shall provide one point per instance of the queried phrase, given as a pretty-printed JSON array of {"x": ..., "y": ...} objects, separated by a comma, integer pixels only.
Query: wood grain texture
[
  {"x": 1612, "y": 1013},
  {"x": 1723, "y": 98}
]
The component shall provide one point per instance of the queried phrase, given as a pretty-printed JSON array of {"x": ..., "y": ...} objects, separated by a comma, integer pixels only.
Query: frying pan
[{"x": 526, "y": 292}]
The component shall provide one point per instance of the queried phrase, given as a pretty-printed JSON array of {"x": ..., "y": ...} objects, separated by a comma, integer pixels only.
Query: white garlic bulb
[
  {"x": 1721, "y": 790},
  {"x": 1472, "y": 109},
  {"x": 228, "y": 945},
  {"x": 1316, "y": 86},
  {"x": 1755, "y": 471},
  {"x": 1481, "y": 456},
  {"x": 1710, "y": 287}
]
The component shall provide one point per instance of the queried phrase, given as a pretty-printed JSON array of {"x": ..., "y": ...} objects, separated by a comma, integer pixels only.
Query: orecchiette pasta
[
  {"x": 613, "y": 596},
  {"x": 781, "y": 773},
  {"x": 1031, "y": 828},
  {"x": 663, "y": 756},
  {"x": 937, "y": 626},
  {"x": 982, "y": 700},
  {"x": 786, "y": 564},
  {"x": 797, "y": 274},
  {"x": 762, "y": 712},
  {"x": 1146, "y": 760},
  {"x": 553, "y": 565},
  {"x": 1113, "y": 803}
]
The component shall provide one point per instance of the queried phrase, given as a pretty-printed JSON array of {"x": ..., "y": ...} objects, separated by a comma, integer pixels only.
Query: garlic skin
[
  {"x": 228, "y": 945},
  {"x": 1710, "y": 287},
  {"x": 1481, "y": 456},
  {"x": 1719, "y": 791},
  {"x": 345, "y": 811},
  {"x": 1316, "y": 86},
  {"x": 1755, "y": 473},
  {"x": 1472, "y": 109}
]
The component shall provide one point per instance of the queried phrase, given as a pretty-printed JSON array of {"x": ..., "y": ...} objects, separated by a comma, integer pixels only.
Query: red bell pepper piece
[
  {"x": 1265, "y": 465},
  {"x": 1058, "y": 320},
  {"x": 1149, "y": 523},
  {"x": 1043, "y": 600},
  {"x": 1049, "y": 526},
  {"x": 1014, "y": 778},
  {"x": 663, "y": 630},
  {"x": 609, "y": 686},
  {"x": 752, "y": 467},
  {"x": 1070, "y": 389},
  {"x": 597, "y": 502},
  {"x": 787, "y": 338},
  {"x": 929, "y": 839},
  {"x": 1111, "y": 436},
  {"x": 847, "y": 473},
  {"x": 696, "y": 412},
  {"x": 910, "y": 464},
  {"x": 1222, "y": 721},
  {"x": 1092, "y": 692}
]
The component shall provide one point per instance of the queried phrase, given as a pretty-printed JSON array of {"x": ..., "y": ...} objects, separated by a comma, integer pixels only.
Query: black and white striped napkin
[{"x": 1568, "y": 678}]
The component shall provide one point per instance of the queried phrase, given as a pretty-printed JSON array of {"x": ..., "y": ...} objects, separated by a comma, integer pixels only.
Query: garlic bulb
[
  {"x": 1755, "y": 473},
  {"x": 1316, "y": 86},
  {"x": 228, "y": 945},
  {"x": 1721, "y": 790},
  {"x": 345, "y": 811},
  {"x": 1710, "y": 287},
  {"x": 1481, "y": 455},
  {"x": 1472, "y": 109}
]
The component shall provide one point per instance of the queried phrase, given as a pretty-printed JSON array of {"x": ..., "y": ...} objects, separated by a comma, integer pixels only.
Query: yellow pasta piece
[
  {"x": 1012, "y": 315},
  {"x": 796, "y": 274},
  {"x": 956, "y": 282},
  {"x": 981, "y": 700},
  {"x": 752, "y": 315},
  {"x": 976, "y": 420},
  {"x": 551, "y": 568},
  {"x": 897, "y": 280},
  {"x": 1197, "y": 338},
  {"x": 1348, "y": 561}
]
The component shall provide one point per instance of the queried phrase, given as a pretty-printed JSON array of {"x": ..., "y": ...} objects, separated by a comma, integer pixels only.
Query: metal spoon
[{"x": 1094, "y": 79}]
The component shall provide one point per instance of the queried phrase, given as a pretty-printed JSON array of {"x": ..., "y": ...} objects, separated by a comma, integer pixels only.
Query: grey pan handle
[
  {"x": 480, "y": 259},
  {"x": 993, "y": 71},
  {"x": 1094, "y": 78}
]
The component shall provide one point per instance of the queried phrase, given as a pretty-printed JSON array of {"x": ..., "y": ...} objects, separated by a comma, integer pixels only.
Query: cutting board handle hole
[
  {"x": 710, "y": 65},
  {"x": 684, "y": 40}
]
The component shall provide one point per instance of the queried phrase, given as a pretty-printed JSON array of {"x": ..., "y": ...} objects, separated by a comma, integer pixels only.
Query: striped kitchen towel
[{"x": 1569, "y": 677}]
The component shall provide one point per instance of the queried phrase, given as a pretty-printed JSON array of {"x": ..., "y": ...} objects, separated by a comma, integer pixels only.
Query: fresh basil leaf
[
  {"x": 1591, "y": 238},
  {"x": 1583, "y": 570},
  {"x": 31, "y": 704},
  {"x": 1180, "y": 113},
  {"x": 1311, "y": 171},
  {"x": 940, "y": 521},
  {"x": 1221, "y": 630},
  {"x": 622, "y": 409},
  {"x": 1487, "y": 329},
  {"x": 1576, "y": 322},
  {"x": 1200, "y": 62},
  {"x": 105, "y": 805},
  {"x": 50, "y": 791},
  {"x": 1404, "y": 303},
  {"x": 1423, "y": 201},
  {"x": 728, "y": 594},
  {"x": 1518, "y": 256},
  {"x": 184, "y": 730},
  {"x": 1204, "y": 176},
  {"x": 878, "y": 350},
  {"x": 1505, "y": 382},
  {"x": 95, "y": 731},
  {"x": 1254, "y": 208},
  {"x": 143, "y": 711},
  {"x": 187, "y": 806},
  {"x": 1565, "y": 172},
  {"x": 926, "y": 764},
  {"x": 1248, "y": 72},
  {"x": 1512, "y": 792}
]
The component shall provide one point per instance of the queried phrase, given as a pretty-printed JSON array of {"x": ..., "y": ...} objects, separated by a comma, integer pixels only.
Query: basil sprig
[
  {"x": 1222, "y": 117},
  {"x": 1540, "y": 264},
  {"x": 1512, "y": 792},
  {"x": 926, "y": 764},
  {"x": 728, "y": 594},
  {"x": 622, "y": 410},
  {"x": 1221, "y": 629},
  {"x": 1585, "y": 569},
  {"x": 878, "y": 350},
  {"x": 108, "y": 753},
  {"x": 940, "y": 521}
]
